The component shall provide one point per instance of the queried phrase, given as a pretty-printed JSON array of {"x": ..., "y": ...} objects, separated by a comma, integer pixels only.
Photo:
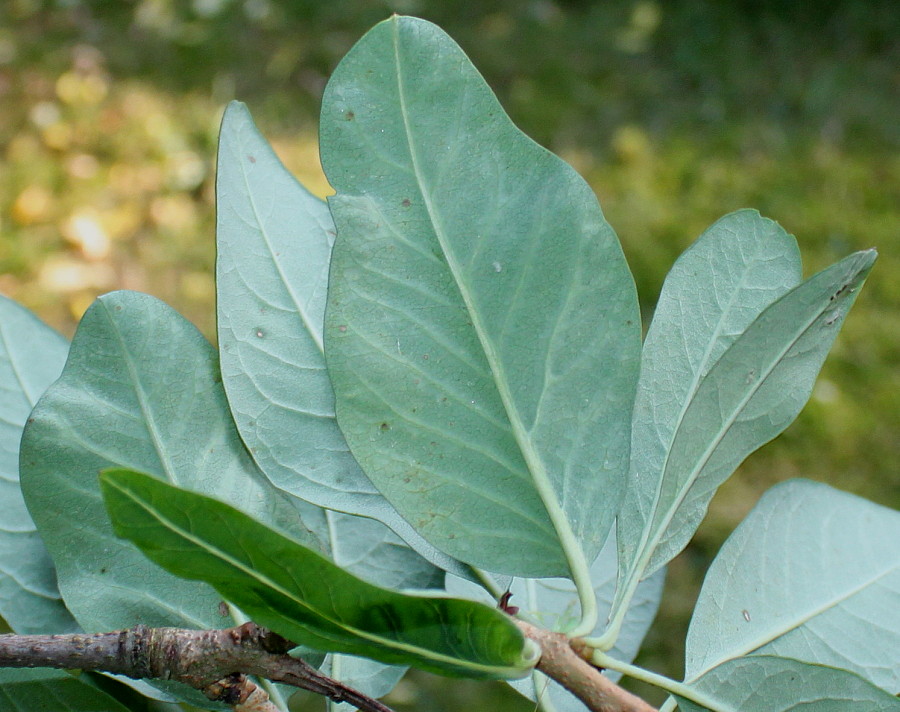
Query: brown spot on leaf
[{"x": 252, "y": 159}]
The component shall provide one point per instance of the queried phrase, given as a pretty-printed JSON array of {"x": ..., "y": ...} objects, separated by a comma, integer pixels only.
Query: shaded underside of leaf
[
  {"x": 482, "y": 331},
  {"x": 31, "y": 358},
  {"x": 368, "y": 676},
  {"x": 812, "y": 573},
  {"x": 776, "y": 684},
  {"x": 300, "y": 594}
]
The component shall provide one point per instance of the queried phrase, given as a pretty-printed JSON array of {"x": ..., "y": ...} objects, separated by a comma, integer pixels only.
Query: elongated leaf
[
  {"x": 41, "y": 689},
  {"x": 31, "y": 358},
  {"x": 713, "y": 292},
  {"x": 553, "y": 604},
  {"x": 482, "y": 330},
  {"x": 751, "y": 394},
  {"x": 300, "y": 594},
  {"x": 775, "y": 684},
  {"x": 142, "y": 389},
  {"x": 812, "y": 573},
  {"x": 274, "y": 243}
]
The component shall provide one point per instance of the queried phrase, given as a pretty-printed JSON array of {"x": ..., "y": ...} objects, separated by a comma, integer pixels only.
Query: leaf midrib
[
  {"x": 738, "y": 409},
  {"x": 263, "y": 231},
  {"x": 798, "y": 622},
  {"x": 650, "y": 541},
  {"x": 146, "y": 411},
  {"x": 569, "y": 544}
]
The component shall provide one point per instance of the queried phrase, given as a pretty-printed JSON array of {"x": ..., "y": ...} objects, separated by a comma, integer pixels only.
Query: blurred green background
[{"x": 676, "y": 112}]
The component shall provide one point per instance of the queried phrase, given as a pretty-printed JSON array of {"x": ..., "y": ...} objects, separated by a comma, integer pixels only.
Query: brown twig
[
  {"x": 203, "y": 659},
  {"x": 562, "y": 663}
]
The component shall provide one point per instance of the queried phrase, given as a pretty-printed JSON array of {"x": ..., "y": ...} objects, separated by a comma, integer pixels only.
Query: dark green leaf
[{"x": 303, "y": 596}]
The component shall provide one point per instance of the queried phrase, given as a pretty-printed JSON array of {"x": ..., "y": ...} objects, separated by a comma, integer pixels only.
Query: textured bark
[
  {"x": 217, "y": 662},
  {"x": 213, "y": 661}
]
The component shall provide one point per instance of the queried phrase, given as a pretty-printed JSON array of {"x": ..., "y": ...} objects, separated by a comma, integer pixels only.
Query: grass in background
[{"x": 675, "y": 112}]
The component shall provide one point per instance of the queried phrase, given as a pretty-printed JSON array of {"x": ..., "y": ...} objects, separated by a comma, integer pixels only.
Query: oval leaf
[
  {"x": 812, "y": 573},
  {"x": 774, "y": 684},
  {"x": 303, "y": 596},
  {"x": 482, "y": 330},
  {"x": 31, "y": 358},
  {"x": 749, "y": 396},
  {"x": 141, "y": 388}
]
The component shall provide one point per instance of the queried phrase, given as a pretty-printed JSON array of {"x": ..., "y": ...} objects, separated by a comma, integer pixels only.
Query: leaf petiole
[{"x": 601, "y": 659}]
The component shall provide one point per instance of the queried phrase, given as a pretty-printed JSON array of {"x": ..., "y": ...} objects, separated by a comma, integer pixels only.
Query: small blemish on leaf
[
  {"x": 497, "y": 266},
  {"x": 103, "y": 570},
  {"x": 349, "y": 116},
  {"x": 223, "y": 609},
  {"x": 252, "y": 159},
  {"x": 405, "y": 202},
  {"x": 342, "y": 328},
  {"x": 260, "y": 333},
  {"x": 384, "y": 427},
  {"x": 746, "y": 615}
]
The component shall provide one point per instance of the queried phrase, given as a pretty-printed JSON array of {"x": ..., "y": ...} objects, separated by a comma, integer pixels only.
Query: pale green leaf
[
  {"x": 43, "y": 690},
  {"x": 368, "y": 676},
  {"x": 141, "y": 389},
  {"x": 273, "y": 242},
  {"x": 31, "y": 358},
  {"x": 812, "y": 573},
  {"x": 774, "y": 684},
  {"x": 749, "y": 396},
  {"x": 303, "y": 596},
  {"x": 734, "y": 270},
  {"x": 482, "y": 330}
]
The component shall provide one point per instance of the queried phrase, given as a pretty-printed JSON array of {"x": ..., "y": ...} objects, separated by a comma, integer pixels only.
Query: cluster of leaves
[{"x": 487, "y": 411}]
